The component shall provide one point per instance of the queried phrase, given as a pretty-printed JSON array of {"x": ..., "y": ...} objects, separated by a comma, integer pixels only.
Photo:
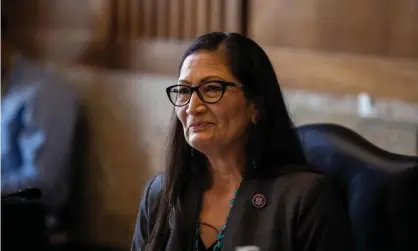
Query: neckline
[
  {"x": 202, "y": 245},
  {"x": 217, "y": 245}
]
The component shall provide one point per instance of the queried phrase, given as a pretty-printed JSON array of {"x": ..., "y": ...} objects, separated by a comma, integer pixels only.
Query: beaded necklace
[{"x": 221, "y": 234}]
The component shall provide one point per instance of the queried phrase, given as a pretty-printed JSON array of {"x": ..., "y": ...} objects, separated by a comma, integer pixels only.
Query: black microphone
[{"x": 30, "y": 193}]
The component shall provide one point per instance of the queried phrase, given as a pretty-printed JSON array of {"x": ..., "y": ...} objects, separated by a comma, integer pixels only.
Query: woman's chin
[{"x": 200, "y": 141}]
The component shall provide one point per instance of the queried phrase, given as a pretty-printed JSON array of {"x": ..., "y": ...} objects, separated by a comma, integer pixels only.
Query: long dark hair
[{"x": 273, "y": 141}]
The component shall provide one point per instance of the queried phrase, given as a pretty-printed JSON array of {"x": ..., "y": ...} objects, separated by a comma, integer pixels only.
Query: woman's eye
[
  {"x": 182, "y": 90},
  {"x": 213, "y": 88}
]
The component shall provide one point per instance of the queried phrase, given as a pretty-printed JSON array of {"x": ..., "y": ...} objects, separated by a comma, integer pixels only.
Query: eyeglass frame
[{"x": 224, "y": 85}]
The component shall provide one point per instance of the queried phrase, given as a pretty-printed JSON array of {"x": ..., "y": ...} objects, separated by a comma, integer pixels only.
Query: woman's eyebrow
[
  {"x": 184, "y": 82},
  {"x": 203, "y": 80},
  {"x": 209, "y": 78}
]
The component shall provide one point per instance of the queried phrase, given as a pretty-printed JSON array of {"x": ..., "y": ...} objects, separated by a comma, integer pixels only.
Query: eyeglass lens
[{"x": 209, "y": 93}]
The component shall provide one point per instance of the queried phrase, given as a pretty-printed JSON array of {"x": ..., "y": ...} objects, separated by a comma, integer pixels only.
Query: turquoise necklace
[{"x": 221, "y": 234}]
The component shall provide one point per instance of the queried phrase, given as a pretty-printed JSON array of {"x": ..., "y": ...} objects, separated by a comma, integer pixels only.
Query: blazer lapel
[{"x": 241, "y": 212}]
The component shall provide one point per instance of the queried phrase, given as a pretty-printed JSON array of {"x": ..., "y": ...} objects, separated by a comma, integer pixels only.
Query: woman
[{"x": 237, "y": 177}]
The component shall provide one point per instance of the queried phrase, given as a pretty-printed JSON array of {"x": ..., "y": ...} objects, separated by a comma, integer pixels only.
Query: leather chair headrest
[
  {"x": 345, "y": 141},
  {"x": 359, "y": 168}
]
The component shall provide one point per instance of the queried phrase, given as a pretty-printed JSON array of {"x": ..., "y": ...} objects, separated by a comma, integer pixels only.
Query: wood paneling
[
  {"x": 404, "y": 27},
  {"x": 134, "y": 18},
  {"x": 189, "y": 23},
  {"x": 336, "y": 73},
  {"x": 163, "y": 20},
  {"x": 202, "y": 17},
  {"x": 217, "y": 18},
  {"x": 387, "y": 28},
  {"x": 176, "y": 11},
  {"x": 173, "y": 19},
  {"x": 122, "y": 20},
  {"x": 150, "y": 19},
  {"x": 308, "y": 43},
  {"x": 233, "y": 16}
]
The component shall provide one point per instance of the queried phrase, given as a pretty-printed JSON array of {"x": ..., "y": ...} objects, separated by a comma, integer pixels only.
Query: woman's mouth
[{"x": 200, "y": 125}]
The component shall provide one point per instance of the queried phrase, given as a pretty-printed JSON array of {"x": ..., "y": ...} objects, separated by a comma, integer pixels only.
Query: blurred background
[{"x": 351, "y": 62}]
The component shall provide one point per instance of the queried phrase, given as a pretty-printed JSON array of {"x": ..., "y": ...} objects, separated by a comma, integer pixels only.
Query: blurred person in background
[
  {"x": 237, "y": 177},
  {"x": 38, "y": 118}
]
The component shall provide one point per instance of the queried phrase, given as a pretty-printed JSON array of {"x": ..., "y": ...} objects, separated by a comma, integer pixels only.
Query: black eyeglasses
[{"x": 209, "y": 92}]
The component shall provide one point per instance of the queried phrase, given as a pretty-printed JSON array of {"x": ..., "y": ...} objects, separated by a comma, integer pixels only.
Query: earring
[
  {"x": 254, "y": 165},
  {"x": 254, "y": 119},
  {"x": 192, "y": 152}
]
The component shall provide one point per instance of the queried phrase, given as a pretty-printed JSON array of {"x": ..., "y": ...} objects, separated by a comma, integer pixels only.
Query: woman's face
[{"x": 221, "y": 125}]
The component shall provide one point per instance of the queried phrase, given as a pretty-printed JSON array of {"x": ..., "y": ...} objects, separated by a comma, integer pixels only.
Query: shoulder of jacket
[
  {"x": 155, "y": 185},
  {"x": 298, "y": 177},
  {"x": 153, "y": 191},
  {"x": 294, "y": 171},
  {"x": 305, "y": 172},
  {"x": 306, "y": 177}
]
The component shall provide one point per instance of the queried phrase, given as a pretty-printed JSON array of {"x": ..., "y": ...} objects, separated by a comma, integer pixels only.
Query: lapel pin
[{"x": 259, "y": 201}]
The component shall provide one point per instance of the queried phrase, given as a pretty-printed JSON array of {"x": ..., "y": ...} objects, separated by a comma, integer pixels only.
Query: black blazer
[{"x": 303, "y": 211}]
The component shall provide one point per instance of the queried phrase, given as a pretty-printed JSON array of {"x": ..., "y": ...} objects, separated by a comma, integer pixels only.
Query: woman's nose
[{"x": 195, "y": 105}]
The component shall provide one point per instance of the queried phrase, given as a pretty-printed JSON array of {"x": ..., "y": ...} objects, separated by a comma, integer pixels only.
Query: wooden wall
[
  {"x": 172, "y": 19},
  {"x": 338, "y": 47},
  {"x": 384, "y": 28},
  {"x": 347, "y": 46},
  {"x": 133, "y": 25}
]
